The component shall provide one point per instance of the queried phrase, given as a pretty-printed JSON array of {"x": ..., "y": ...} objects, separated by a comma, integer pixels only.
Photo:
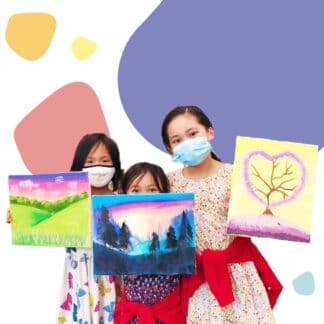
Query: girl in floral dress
[
  {"x": 148, "y": 299},
  {"x": 234, "y": 283},
  {"x": 86, "y": 298}
]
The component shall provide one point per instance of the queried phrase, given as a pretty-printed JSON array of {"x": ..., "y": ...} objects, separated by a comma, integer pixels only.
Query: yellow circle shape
[
  {"x": 83, "y": 48},
  {"x": 30, "y": 34}
]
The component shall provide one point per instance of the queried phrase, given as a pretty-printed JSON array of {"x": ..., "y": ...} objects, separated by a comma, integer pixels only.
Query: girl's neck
[
  {"x": 203, "y": 170},
  {"x": 100, "y": 191}
]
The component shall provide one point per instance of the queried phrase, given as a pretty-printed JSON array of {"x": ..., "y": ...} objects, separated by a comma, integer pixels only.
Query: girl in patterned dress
[
  {"x": 234, "y": 283},
  {"x": 148, "y": 299},
  {"x": 86, "y": 298}
]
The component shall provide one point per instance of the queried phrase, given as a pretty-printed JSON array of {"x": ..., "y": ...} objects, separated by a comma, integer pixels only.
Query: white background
[{"x": 30, "y": 277}]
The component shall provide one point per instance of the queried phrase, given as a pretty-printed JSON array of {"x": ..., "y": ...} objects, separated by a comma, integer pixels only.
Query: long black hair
[
  {"x": 140, "y": 169},
  {"x": 87, "y": 143},
  {"x": 181, "y": 110}
]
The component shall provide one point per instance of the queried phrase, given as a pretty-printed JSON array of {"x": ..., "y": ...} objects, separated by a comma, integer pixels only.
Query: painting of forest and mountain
[
  {"x": 51, "y": 209},
  {"x": 144, "y": 234}
]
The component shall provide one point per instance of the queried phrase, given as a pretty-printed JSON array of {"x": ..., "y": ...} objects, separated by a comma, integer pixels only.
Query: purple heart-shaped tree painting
[
  {"x": 272, "y": 189},
  {"x": 284, "y": 181}
]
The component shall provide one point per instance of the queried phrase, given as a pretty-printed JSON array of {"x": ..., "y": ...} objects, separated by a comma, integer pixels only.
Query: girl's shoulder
[
  {"x": 228, "y": 172},
  {"x": 228, "y": 168},
  {"x": 173, "y": 175},
  {"x": 225, "y": 172}
]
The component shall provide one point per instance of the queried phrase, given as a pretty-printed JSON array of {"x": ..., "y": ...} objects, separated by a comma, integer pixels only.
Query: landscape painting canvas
[
  {"x": 272, "y": 189},
  {"x": 51, "y": 209},
  {"x": 144, "y": 234}
]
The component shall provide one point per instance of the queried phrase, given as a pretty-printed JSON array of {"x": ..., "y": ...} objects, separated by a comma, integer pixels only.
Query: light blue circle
[{"x": 304, "y": 284}]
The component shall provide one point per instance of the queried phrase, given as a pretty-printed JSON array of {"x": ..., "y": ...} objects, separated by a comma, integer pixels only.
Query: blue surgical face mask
[{"x": 192, "y": 152}]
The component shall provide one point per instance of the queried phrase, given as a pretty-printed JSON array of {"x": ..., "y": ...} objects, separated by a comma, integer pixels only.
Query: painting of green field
[{"x": 64, "y": 220}]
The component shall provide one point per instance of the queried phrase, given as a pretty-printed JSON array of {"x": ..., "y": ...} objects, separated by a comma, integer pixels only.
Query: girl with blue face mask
[
  {"x": 187, "y": 133},
  {"x": 227, "y": 287}
]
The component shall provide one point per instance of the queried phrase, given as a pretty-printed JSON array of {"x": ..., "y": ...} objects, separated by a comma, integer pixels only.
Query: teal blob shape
[{"x": 304, "y": 284}]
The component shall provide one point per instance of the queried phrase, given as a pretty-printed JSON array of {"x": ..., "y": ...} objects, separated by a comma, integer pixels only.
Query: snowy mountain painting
[
  {"x": 144, "y": 234},
  {"x": 273, "y": 188}
]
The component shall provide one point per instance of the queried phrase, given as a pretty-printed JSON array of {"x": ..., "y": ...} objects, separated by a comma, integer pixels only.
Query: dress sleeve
[{"x": 228, "y": 191}]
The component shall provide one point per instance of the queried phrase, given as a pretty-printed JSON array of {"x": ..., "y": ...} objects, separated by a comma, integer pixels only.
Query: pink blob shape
[{"x": 47, "y": 137}]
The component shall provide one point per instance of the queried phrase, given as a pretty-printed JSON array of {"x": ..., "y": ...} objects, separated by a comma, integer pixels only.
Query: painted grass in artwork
[
  {"x": 21, "y": 238},
  {"x": 28, "y": 216},
  {"x": 68, "y": 227}
]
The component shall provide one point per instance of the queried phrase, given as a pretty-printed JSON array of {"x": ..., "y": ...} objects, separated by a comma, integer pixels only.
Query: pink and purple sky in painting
[
  {"x": 48, "y": 187},
  {"x": 138, "y": 216}
]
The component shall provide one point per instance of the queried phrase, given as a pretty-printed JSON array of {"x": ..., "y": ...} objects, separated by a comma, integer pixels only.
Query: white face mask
[{"x": 100, "y": 175}]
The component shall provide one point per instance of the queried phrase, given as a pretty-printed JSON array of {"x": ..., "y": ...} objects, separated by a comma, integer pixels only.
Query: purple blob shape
[{"x": 255, "y": 67}]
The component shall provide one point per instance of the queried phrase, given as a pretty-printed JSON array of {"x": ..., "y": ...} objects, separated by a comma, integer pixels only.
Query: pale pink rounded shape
[{"x": 47, "y": 137}]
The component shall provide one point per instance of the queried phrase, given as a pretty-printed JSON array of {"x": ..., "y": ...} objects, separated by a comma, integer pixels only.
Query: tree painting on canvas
[
  {"x": 272, "y": 189},
  {"x": 144, "y": 234},
  {"x": 51, "y": 209}
]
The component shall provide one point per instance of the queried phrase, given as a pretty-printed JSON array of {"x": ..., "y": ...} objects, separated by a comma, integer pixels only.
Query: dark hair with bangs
[
  {"x": 140, "y": 169},
  {"x": 181, "y": 110},
  {"x": 87, "y": 143}
]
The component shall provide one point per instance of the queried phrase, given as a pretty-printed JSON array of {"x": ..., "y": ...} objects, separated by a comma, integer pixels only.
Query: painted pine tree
[
  {"x": 186, "y": 234},
  {"x": 171, "y": 241},
  {"x": 109, "y": 235},
  {"x": 124, "y": 237},
  {"x": 155, "y": 245}
]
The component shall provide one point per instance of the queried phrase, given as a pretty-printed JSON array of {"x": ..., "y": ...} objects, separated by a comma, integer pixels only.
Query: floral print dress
[
  {"x": 149, "y": 289},
  {"x": 251, "y": 305}
]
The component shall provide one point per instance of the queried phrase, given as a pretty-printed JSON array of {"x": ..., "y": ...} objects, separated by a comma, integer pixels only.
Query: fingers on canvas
[{"x": 9, "y": 218}]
